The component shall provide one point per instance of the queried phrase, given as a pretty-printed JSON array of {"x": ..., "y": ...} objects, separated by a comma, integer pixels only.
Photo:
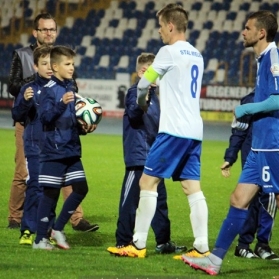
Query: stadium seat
[
  {"x": 114, "y": 23},
  {"x": 227, "y": 25},
  {"x": 211, "y": 16},
  {"x": 104, "y": 61},
  {"x": 132, "y": 23},
  {"x": 234, "y": 7},
  {"x": 127, "y": 28},
  {"x": 150, "y": 6},
  {"x": 123, "y": 62},
  {"x": 208, "y": 25},
  {"x": 216, "y": 6},
  {"x": 196, "y": 6},
  {"x": 212, "y": 65},
  {"x": 90, "y": 51},
  {"x": 77, "y": 60},
  {"x": 118, "y": 34},
  {"x": 24, "y": 39},
  {"x": 123, "y": 23},
  {"x": 69, "y": 22},
  {"x": 255, "y": 6},
  {"x": 244, "y": 6},
  {"x": 205, "y": 7},
  {"x": 109, "y": 32},
  {"x": 231, "y": 15},
  {"x": 140, "y": 6},
  {"x": 81, "y": 50},
  {"x": 86, "y": 41}
]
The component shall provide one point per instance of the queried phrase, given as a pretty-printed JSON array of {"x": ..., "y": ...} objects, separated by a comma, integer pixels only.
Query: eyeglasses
[{"x": 45, "y": 30}]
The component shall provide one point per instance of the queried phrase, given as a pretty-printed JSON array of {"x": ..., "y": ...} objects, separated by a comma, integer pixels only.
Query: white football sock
[
  {"x": 199, "y": 220},
  {"x": 144, "y": 216}
]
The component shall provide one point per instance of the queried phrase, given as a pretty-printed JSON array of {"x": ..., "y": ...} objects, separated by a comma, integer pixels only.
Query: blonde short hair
[{"x": 145, "y": 57}]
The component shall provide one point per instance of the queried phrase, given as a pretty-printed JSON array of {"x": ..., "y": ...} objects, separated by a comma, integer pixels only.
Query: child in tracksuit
[
  {"x": 25, "y": 110},
  {"x": 60, "y": 163}
]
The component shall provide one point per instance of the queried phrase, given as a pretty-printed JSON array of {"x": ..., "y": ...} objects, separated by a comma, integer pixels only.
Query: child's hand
[
  {"x": 91, "y": 128},
  {"x": 88, "y": 128},
  {"x": 225, "y": 169},
  {"x": 28, "y": 94},
  {"x": 68, "y": 97}
]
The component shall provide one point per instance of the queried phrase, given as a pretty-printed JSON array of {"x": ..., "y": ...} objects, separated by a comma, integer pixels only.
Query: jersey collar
[{"x": 269, "y": 47}]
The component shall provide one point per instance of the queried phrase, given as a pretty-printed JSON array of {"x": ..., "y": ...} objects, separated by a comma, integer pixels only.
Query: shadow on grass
[{"x": 86, "y": 239}]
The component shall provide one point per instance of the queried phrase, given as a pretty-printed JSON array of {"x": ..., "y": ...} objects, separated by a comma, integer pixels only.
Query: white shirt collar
[{"x": 270, "y": 46}]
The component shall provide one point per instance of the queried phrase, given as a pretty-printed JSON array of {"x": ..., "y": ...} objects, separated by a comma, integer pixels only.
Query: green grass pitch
[{"x": 87, "y": 258}]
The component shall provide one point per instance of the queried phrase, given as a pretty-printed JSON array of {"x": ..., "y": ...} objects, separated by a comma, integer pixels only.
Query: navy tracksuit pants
[
  {"x": 32, "y": 196},
  {"x": 128, "y": 205}
]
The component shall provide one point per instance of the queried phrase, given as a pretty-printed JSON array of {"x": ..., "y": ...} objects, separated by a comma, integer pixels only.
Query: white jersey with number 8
[{"x": 180, "y": 67}]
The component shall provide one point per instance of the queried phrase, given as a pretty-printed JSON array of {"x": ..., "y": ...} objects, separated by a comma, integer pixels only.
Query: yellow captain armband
[{"x": 150, "y": 74}]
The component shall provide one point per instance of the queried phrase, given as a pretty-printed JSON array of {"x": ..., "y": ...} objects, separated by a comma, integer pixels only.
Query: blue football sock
[
  {"x": 70, "y": 205},
  {"x": 230, "y": 229},
  {"x": 45, "y": 207}
]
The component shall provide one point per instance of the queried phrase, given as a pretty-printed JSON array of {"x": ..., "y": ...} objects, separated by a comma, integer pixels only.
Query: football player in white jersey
[{"x": 177, "y": 148}]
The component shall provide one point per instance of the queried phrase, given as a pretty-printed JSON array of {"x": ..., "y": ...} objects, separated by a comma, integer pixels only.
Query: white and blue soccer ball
[{"x": 88, "y": 111}]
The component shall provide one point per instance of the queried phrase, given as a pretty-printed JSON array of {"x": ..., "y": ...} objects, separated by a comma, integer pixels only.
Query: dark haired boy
[{"x": 25, "y": 110}]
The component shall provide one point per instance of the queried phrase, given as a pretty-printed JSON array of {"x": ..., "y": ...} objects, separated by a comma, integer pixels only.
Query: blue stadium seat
[
  {"x": 231, "y": 16},
  {"x": 225, "y": 6},
  {"x": 28, "y": 12},
  {"x": 114, "y": 23},
  {"x": 207, "y": 77},
  {"x": 81, "y": 50},
  {"x": 275, "y": 8},
  {"x": 265, "y": 6},
  {"x": 194, "y": 34},
  {"x": 208, "y": 25},
  {"x": 77, "y": 24},
  {"x": 216, "y": 6},
  {"x": 244, "y": 6},
  {"x": 150, "y": 6},
  {"x": 100, "y": 13},
  {"x": 132, "y": 5},
  {"x": 123, "y": 5},
  {"x": 196, "y": 6},
  {"x": 190, "y": 24},
  {"x": 50, "y": 7},
  {"x": 24, "y": 4},
  {"x": 116, "y": 42},
  {"x": 91, "y": 14}
]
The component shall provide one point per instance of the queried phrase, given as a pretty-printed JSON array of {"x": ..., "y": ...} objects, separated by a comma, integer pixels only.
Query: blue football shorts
[
  {"x": 261, "y": 168},
  {"x": 174, "y": 157},
  {"x": 59, "y": 173}
]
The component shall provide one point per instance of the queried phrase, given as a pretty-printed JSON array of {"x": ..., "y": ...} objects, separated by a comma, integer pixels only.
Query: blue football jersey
[{"x": 266, "y": 125}]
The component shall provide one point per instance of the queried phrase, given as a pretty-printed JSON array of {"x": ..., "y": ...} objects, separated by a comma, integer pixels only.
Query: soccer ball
[{"x": 88, "y": 111}]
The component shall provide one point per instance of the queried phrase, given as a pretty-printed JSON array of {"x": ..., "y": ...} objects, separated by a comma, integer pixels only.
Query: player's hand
[
  {"x": 28, "y": 93},
  {"x": 68, "y": 97},
  {"x": 225, "y": 169}
]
